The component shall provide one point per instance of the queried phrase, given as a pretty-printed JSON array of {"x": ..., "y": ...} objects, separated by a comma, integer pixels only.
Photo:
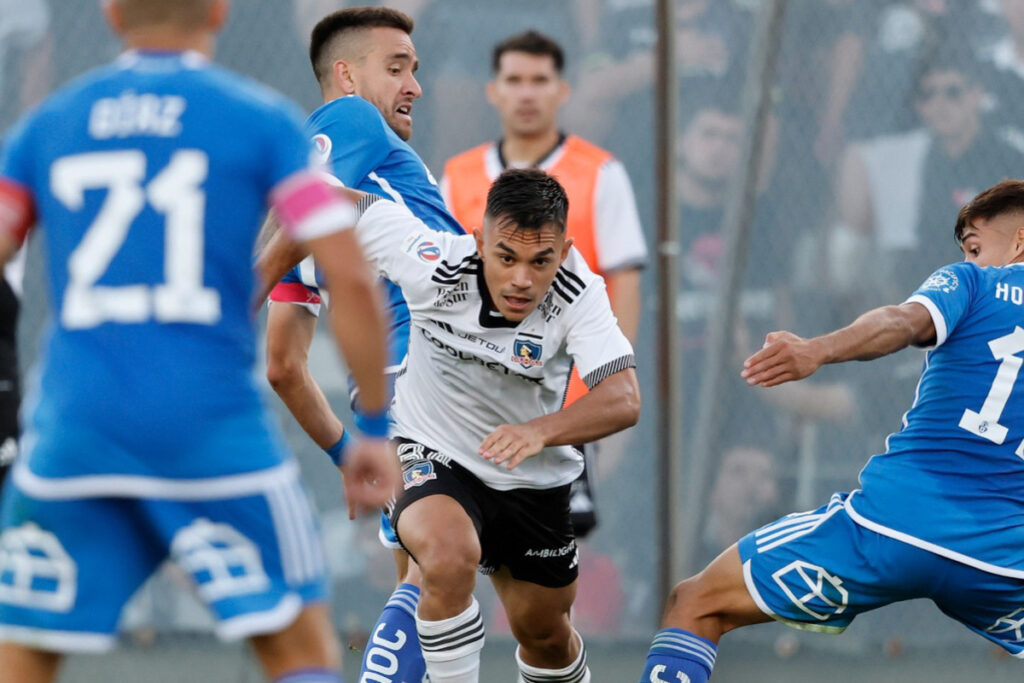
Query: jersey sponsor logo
[
  {"x": 1010, "y": 627},
  {"x": 455, "y": 353},
  {"x": 449, "y": 296},
  {"x": 944, "y": 280},
  {"x": 322, "y": 145},
  {"x": 35, "y": 570},
  {"x": 428, "y": 252},
  {"x": 418, "y": 474},
  {"x": 553, "y": 552},
  {"x": 527, "y": 353},
  {"x": 812, "y": 589},
  {"x": 549, "y": 309}
]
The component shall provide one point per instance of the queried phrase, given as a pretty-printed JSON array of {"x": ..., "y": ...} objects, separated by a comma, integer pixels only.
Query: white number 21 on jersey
[
  {"x": 176, "y": 192},
  {"x": 985, "y": 422}
]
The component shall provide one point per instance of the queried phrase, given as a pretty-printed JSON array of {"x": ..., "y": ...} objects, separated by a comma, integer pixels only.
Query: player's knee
[
  {"x": 449, "y": 567},
  {"x": 689, "y": 603}
]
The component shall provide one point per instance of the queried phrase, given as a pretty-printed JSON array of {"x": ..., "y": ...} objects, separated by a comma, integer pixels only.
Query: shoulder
[
  {"x": 579, "y": 147},
  {"x": 351, "y": 114},
  {"x": 574, "y": 278}
]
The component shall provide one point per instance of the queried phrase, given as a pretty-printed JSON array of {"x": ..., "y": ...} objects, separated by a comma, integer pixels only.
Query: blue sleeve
[
  {"x": 15, "y": 155},
  {"x": 358, "y": 138},
  {"x": 291, "y": 150},
  {"x": 947, "y": 294}
]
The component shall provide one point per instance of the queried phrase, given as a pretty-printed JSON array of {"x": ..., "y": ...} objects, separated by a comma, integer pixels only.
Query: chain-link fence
[{"x": 885, "y": 116}]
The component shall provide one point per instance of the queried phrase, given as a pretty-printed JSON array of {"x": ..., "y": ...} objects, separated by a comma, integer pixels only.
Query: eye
[
  {"x": 394, "y": 70},
  {"x": 506, "y": 259},
  {"x": 541, "y": 262}
]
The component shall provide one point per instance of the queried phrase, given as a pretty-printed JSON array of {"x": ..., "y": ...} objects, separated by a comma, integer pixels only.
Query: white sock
[
  {"x": 577, "y": 672},
  {"x": 451, "y": 647}
]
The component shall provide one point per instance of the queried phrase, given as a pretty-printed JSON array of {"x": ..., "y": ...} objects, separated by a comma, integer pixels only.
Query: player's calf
[{"x": 304, "y": 652}]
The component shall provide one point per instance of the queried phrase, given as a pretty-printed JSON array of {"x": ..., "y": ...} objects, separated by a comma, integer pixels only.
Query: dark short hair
[
  {"x": 532, "y": 42},
  {"x": 528, "y": 198},
  {"x": 943, "y": 59},
  {"x": 338, "y": 23},
  {"x": 998, "y": 200}
]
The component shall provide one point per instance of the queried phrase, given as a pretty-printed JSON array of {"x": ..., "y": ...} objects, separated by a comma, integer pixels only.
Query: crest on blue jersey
[
  {"x": 322, "y": 144},
  {"x": 943, "y": 280},
  {"x": 527, "y": 353},
  {"x": 428, "y": 252},
  {"x": 418, "y": 474}
]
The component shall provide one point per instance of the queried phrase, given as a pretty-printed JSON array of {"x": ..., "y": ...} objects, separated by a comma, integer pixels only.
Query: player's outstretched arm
[
  {"x": 785, "y": 357},
  {"x": 609, "y": 407}
]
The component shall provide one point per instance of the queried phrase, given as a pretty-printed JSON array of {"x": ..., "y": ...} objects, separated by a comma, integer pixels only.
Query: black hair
[
  {"x": 1003, "y": 198},
  {"x": 337, "y": 23},
  {"x": 531, "y": 42},
  {"x": 529, "y": 199}
]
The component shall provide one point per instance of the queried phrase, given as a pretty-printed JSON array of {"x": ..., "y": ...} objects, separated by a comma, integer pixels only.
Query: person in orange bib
[{"x": 527, "y": 91}]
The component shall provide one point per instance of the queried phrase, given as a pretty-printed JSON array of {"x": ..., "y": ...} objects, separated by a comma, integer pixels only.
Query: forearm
[
  {"x": 308, "y": 405},
  {"x": 611, "y": 406},
  {"x": 878, "y": 332},
  {"x": 279, "y": 255}
]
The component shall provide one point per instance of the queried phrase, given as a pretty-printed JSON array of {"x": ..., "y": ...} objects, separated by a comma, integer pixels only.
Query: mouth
[
  {"x": 517, "y": 303},
  {"x": 404, "y": 111}
]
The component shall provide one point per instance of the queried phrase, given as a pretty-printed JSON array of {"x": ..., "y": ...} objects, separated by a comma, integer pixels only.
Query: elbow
[
  {"x": 630, "y": 405},
  {"x": 284, "y": 370}
]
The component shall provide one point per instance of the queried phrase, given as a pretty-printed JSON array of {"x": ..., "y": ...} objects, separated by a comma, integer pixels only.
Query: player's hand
[
  {"x": 784, "y": 357},
  {"x": 371, "y": 474},
  {"x": 511, "y": 444}
]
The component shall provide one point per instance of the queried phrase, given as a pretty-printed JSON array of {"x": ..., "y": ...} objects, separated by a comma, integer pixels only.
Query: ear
[
  {"x": 491, "y": 93},
  {"x": 564, "y": 90},
  {"x": 112, "y": 11},
  {"x": 1018, "y": 241},
  {"x": 344, "y": 78},
  {"x": 218, "y": 14},
  {"x": 565, "y": 249},
  {"x": 478, "y": 235}
]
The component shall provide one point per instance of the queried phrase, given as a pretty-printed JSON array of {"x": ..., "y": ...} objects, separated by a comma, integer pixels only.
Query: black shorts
[{"x": 527, "y": 530}]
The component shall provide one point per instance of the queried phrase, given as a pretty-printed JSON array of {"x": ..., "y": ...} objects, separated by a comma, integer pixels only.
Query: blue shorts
[
  {"x": 68, "y": 566},
  {"x": 818, "y": 570}
]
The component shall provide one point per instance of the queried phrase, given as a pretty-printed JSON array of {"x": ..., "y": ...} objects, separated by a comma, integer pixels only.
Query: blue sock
[
  {"x": 311, "y": 675},
  {"x": 393, "y": 652},
  {"x": 678, "y": 656}
]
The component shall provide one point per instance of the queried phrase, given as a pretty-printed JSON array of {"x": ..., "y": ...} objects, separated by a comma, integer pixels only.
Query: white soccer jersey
[{"x": 469, "y": 369}]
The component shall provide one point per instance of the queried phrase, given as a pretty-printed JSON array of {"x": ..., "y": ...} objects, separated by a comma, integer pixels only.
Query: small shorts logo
[
  {"x": 944, "y": 280},
  {"x": 428, "y": 252},
  {"x": 527, "y": 353},
  {"x": 418, "y": 474},
  {"x": 322, "y": 144}
]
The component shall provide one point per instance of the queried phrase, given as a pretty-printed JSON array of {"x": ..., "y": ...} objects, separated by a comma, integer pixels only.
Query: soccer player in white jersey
[
  {"x": 499, "y": 318},
  {"x": 939, "y": 515},
  {"x": 148, "y": 438}
]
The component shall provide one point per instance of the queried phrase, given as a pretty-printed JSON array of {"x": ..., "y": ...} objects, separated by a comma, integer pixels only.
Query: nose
[
  {"x": 522, "y": 277},
  {"x": 413, "y": 87}
]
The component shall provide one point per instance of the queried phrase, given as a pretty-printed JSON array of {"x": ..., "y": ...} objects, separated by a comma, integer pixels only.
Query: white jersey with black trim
[{"x": 469, "y": 370}]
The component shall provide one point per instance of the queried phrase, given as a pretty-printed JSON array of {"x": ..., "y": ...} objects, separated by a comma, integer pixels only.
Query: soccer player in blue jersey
[
  {"x": 364, "y": 61},
  {"x": 147, "y": 437},
  {"x": 939, "y": 515}
]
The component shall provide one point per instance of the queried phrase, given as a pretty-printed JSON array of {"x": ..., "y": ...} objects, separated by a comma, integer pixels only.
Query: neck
[
  {"x": 166, "y": 39},
  {"x": 528, "y": 149},
  {"x": 699, "y": 194},
  {"x": 958, "y": 143}
]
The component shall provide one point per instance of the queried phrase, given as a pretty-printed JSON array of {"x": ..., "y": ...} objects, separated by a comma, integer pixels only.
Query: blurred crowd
[{"x": 885, "y": 117}]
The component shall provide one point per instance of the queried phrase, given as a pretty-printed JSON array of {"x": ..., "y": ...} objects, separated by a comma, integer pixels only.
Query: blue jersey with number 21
[
  {"x": 150, "y": 178},
  {"x": 952, "y": 479}
]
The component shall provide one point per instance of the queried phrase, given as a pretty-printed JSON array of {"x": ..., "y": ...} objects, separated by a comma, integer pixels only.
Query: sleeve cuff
[
  {"x": 937, "y": 318},
  {"x": 602, "y": 373}
]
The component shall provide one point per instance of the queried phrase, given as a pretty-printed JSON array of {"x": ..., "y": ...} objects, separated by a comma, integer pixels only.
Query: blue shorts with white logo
[
  {"x": 67, "y": 567},
  {"x": 818, "y": 570}
]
